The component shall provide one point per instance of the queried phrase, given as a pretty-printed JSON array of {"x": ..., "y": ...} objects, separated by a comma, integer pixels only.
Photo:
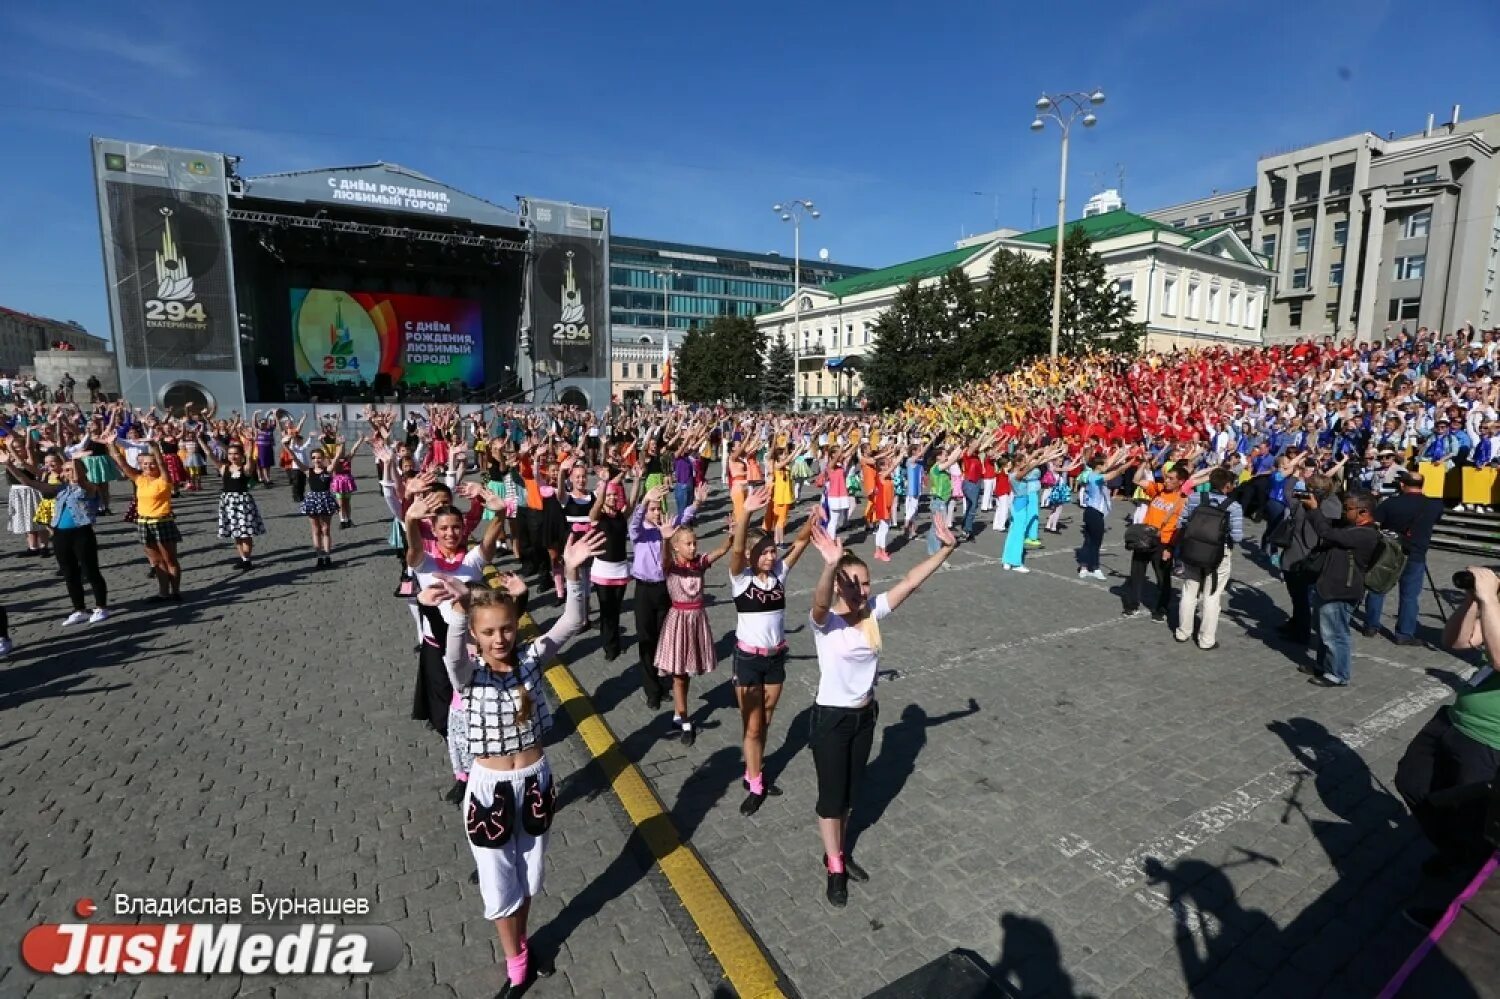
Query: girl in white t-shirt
[
  {"x": 758, "y": 584},
  {"x": 846, "y": 631}
]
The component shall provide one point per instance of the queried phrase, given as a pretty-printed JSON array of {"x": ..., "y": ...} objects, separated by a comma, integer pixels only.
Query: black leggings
[
  {"x": 611, "y": 601},
  {"x": 77, "y": 554},
  {"x": 841, "y": 742},
  {"x": 651, "y": 606}
]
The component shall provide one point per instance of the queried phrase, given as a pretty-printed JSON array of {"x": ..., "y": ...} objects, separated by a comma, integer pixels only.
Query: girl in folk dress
[
  {"x": 318, "y": 504},
  {"x": 343, "y": 485},
  {"x": 686, "y": 647},
  {"x": 239, "y": 516},
  {"x": 24, "y": 499}
]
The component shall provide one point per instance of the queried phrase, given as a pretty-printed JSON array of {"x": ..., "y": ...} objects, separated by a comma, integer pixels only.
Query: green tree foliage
[
  {"x": 722, "y": 362},
  {"x": 942, "y": 335},
  {"x": 778, "y": 387}
]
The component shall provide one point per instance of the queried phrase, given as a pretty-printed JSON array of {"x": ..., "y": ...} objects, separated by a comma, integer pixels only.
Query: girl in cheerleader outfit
[
  {"x": 343, "y": 484},
  {"x": 686, "y": 647},
  {"x": 510, "y": 796}
]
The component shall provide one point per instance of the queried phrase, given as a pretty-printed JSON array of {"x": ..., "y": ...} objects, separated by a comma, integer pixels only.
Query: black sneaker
[
  {"x": 1310, "y": 670},
  {"x": 838, "y": 890},
  {"x": 689, "y": 735},
  {"x": 1160, "y": 615},
  {"x": 1324, "y": 680},
  {"x": 653, "y": 702},
  {"x": 771, "y": 789},
  {"x": 752, "y": 804},
  {"x": 855, "y": 872}
]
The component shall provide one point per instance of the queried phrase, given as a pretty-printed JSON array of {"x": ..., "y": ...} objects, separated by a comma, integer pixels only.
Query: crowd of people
[{"x": 1332, "y": 448}]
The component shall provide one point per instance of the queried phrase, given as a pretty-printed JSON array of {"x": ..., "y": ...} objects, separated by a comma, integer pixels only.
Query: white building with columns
[{"x": 1188, "y": 288}]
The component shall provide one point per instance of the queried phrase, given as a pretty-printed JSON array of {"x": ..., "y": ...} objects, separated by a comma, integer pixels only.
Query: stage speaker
[{"x": 382, "y": 384}]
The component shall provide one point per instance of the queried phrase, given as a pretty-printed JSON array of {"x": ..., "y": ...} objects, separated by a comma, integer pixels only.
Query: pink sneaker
[{"x": 881, "y": 556}]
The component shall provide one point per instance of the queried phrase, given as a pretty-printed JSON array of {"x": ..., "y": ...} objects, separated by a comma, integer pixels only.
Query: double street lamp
[
  {"x": 1063, "y": 109},
  {"x": 793, "y": 212}
]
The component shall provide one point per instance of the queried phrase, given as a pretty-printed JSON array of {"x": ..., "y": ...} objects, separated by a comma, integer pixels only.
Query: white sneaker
[
  {"x": 77, "y": 617},
  {"x": 1099, "y": 574},
  {"x": 5, "y": 646},
  {"x": 100, "y": 614},
  {"x": 1018, "y": 568},
  {"x": 1084, "y": 573}
]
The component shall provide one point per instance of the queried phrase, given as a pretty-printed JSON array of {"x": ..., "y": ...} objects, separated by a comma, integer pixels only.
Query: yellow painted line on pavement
[{"x": 736, "y": 949}]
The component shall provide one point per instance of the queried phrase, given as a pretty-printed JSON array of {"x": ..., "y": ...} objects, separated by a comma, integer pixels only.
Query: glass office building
[{"x": 703, "y": 283}]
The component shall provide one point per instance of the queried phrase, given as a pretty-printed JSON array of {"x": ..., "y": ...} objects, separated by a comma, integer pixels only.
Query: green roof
[
  {"x": 924, "y": 267},
  {"x": 1109, "y": 225}
]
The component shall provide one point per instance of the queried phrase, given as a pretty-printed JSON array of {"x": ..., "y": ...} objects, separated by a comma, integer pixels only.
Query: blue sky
[{"x": 689, "y": 119}]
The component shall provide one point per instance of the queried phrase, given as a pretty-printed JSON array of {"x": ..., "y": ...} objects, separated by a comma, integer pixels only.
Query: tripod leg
[{"x": 1442, "y": 612}]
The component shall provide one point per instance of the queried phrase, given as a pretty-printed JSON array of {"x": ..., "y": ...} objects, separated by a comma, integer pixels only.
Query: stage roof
[{"x": 381, "y": 186}]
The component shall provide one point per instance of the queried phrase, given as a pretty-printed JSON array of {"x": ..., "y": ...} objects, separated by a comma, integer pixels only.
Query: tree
[
  {"x": 1018, "y": 313},
  {"x": 777, "y": 391},
  {"x": 901, "y": 365},
  {"x": 698, "y": 378},
  {"x": 1095, "y": 315},
  {"x": 721, "y": 361}
]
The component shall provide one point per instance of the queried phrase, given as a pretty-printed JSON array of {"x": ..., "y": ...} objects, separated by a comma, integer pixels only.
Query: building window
[
  {"x": 1426, "y": 175},
  {"x": 1203, "y": 219},
  {"x": 640, "y": 370},
  {"x": 1126, "y": 287},
  {"x": 1341, "y": 232},
  {"x": 1268, "y": 247},
  {"x": 867, "y": 333},
  {"x": 1336, "y": 275},
  {"x": 655, "y": 371},
  {"x": 1178, "y": 223},
  {"x": 1418, "y": 224},
  {"x": 1294, "y": 315},
  {"x": 1304, "y": 239},
  {"x": 1169, "y": 296},
  {"x": 1213, "y": 305},
  {"x": 1228, "y": 213},
  {"x": 1252, "y": 311},
  {"x": 1410, "y": 268},
  {"x": 820, "y": 383},
  {"x": 1404, "y": 308},
  {"x": 1192, "y": 300},
  {"x": 1235, "y": 319},
  {"x": 1299, "y": 277}
]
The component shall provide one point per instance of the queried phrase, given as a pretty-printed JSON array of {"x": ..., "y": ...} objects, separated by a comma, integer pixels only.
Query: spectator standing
[
  {"x": 1410, "y": 516},
  {"x": 1341, "y": 582},
  {"x": 1211, "y": 524}
]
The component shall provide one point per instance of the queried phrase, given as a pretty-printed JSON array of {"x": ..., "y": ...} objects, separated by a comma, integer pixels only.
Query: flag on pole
[{"x": 666, "y": 377}]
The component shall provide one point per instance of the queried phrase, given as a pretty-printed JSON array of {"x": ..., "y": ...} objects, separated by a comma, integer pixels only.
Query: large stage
[{"x": 343, "y": 286}]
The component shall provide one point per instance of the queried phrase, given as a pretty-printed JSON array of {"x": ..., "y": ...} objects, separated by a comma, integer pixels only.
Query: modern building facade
[
  {"x": 1368, "y": 235},
  {"x": 1188, "y": 288},
  {"x": 23, "y": 336},
  {"x": 657, "y": 286}
]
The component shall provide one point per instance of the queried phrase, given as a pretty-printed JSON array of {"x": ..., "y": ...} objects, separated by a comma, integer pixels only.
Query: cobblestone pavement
[
  {"x": 257, "y": 739},
  {"x": 1038, "y": 753},
  {"x": 1088, "y": 806}
]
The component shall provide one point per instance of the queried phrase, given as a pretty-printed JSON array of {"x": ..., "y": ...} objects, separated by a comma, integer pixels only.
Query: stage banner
[
  {"x": 569, "y": 300},
  {"x": 344, "y": 336},
  {"x": 163, "y": 216}
]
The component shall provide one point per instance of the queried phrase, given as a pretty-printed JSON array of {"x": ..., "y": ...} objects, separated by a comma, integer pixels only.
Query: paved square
[{"x": 1087, "y": 805}]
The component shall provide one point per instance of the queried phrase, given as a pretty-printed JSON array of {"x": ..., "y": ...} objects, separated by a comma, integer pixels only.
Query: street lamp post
[
  {"x": 1063, "y": 109},
  {"x": 792, "y": 211}
]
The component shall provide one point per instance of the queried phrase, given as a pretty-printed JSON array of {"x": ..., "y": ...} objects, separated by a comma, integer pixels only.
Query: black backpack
[{"x": 1200, "y": 543}]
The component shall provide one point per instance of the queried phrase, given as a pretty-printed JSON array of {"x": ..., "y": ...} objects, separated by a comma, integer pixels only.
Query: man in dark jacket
[
  {"x": 1341, "y": 583},
  {"x": 1410, "y": 515},
  {"x": 1299, "y": 564}
]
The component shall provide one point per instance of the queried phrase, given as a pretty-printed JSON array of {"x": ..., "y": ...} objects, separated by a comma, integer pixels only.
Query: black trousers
[
  {"x": 841, "y": 741},
  {"x": 535, "y": 561},
  {"x": 77, "y": 552},
  {"x": 1135, "y": 594},
  {"x": 298, "y": 478},
  {"x": 1299, "y": 590},
  {"x": 651, "y": 606},
  {"x": 1439, "y": 758},
  {"x": 611, "y": 601}
]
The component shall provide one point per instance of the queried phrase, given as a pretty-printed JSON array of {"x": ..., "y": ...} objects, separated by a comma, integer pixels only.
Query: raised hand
[
  {"x": 582, "y": 547},
  {"x": 944, "y": 533},
  {"x": 758, "y": 499},
  {"x": 831, "y": 548}
]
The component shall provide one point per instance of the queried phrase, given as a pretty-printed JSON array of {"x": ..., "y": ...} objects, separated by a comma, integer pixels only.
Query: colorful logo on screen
[{"x": 416, "y": 339}]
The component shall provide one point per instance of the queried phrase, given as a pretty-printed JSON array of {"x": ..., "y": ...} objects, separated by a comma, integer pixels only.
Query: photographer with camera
[
  {"x": 1460, "y": 745},
  {"x": 1410, "y": 515}
]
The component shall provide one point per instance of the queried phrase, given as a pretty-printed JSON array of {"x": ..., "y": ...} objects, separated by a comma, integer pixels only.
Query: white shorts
[{"x": 512, "y": 873}]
